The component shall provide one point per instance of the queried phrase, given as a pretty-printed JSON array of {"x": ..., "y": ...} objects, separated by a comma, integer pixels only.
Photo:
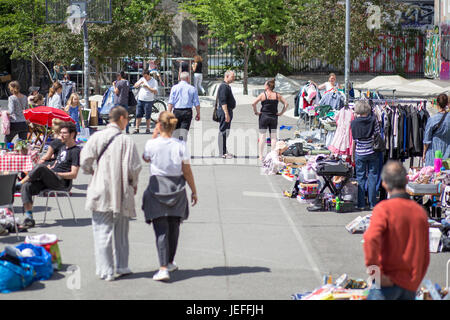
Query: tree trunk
[
  {"x": 97, "y": 77},
  {"x": 33, "y": 70}
]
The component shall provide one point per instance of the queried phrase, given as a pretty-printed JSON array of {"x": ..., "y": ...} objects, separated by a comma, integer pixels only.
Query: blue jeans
[
  {"x": 367, "y": 167},
  {"x": 391, "y": 293},
  {"x": 144, "y": 107}
]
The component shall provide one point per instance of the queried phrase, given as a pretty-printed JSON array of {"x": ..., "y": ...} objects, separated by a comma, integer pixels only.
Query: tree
[
  {"x": 132, "y": 22},
  {"x": 240, "y": 23},
  {"x": 319, "y": 26},
  {"x": 21, "y": 21}
]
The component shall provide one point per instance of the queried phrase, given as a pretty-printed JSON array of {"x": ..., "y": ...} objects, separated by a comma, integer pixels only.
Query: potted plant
[{"x": 21, "y": 146}]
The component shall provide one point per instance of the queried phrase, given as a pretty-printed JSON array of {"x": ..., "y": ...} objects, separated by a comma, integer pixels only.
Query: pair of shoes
[
  {"x": 29, "y": 222},
  {"x": 171, "y": 267},
  {"x": 147, "y": 131},
  {"x": 3, "y": 231},
  {"x": 227, "y": 156},
  {"x": 136, "y": 131},
  {"x": 162, "y": 275}
]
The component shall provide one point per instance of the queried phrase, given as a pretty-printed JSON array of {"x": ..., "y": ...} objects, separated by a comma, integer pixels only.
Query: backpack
[{"x": 131, "y": 98}]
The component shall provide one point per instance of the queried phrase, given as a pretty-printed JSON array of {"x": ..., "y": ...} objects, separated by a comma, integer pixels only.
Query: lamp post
[{"x": 347, "y": 50}]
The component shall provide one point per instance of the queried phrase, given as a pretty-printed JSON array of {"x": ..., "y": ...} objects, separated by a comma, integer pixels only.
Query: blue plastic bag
[
  {"x": 41, "y": 261},
  {"x": 14, "y": 277}
]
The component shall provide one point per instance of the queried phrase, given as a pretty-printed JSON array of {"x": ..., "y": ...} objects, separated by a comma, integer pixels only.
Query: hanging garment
[{"x": 342, "y": 140}]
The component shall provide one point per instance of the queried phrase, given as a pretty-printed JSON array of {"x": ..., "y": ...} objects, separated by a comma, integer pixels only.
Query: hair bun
[{"x": 173, "y": 121}]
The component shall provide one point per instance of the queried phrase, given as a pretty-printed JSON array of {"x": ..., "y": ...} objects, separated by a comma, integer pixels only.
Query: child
[
  {"x": 273, "y": 162},
  {"x": 73, "y": 108}
]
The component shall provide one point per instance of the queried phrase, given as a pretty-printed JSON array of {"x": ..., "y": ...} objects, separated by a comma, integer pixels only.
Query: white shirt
[
  {"x": 144, "y": 93},
  {"x": 55, "y": 101},
  {"x": 329, "y": 86},
  {"x": 166, "y": 156}
]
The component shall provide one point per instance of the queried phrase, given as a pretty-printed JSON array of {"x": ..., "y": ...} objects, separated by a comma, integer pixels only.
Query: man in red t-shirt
[{"x": 397, "y": 239}]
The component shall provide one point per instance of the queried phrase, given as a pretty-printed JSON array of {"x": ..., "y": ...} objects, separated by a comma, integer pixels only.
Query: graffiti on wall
[
  {"x": 417, "y": 15},
  {"x": 444, "y": 73},
  {"x": 395, "y": 55},
  {"x": 432, "y": 52}
]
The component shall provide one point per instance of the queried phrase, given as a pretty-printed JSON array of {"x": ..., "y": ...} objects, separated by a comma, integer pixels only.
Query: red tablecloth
[{"x": 18, "y": 162}]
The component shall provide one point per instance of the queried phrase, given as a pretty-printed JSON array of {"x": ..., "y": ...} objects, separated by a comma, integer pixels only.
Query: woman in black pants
[
  {"x": 17, "y": 102},
  {"x": 165, "y": 203},
  {"x": 268, "y": 116}
]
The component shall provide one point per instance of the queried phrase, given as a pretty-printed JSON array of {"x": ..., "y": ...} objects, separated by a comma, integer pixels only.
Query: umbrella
[{"x": 44, "y": 115}]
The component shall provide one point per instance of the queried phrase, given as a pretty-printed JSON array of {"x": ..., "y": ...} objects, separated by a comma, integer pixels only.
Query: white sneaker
[
  {"x": 172, "y": 267},
  {"x": 109, "y": 277},
  {"x": 161, "y": 275}
]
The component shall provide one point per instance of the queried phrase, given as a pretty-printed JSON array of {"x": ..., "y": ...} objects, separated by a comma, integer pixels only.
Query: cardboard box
[
  {"x": 93, "y": 122},
  {"x": 94, "y": 109}
]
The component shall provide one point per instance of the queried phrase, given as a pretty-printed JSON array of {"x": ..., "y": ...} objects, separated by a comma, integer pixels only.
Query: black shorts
[{"x": 268, "y": 122}]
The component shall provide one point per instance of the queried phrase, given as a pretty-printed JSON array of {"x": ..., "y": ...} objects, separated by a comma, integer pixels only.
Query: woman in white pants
[
  {"x": 198, "y": 74},
  {"x": 113, "y": 161}
]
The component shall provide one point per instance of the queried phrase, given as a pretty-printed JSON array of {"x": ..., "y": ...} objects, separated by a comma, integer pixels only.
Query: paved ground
[{"x": 242, "y": 241}]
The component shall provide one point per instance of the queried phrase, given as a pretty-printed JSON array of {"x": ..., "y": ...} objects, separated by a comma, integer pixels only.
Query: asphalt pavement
[{"x": 243, "y": 240}]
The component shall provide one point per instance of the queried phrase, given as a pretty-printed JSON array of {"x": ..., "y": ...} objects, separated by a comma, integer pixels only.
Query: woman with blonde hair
[
  {"x": 198, "y": 73},
  {"x": 17, "y": 103},
  {"x": 73, "y": 108},
  {"x": 56, "y": 145},
  {"x": 54, "y": 96},
  {"x": 165, "y": 203}
]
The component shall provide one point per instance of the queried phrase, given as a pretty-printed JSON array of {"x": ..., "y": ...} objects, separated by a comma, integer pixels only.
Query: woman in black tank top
[{"x": 268, "y": 116}]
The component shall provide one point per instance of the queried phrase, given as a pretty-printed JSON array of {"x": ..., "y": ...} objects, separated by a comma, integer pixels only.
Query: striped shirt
[{"x": 365, "y": 146}]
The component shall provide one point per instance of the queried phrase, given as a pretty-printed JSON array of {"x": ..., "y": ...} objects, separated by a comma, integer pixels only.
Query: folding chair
[
  {"x": 8, "y": 182},
  {"x": 64, "y": 192}
]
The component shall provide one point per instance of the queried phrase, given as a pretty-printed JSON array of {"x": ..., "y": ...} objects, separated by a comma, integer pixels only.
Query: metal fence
[{"x": 401, "y": 55}]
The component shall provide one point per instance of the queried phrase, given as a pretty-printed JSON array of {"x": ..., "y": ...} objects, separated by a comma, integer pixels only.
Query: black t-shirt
[
  {"x": 56, "y": 145},
  {"x": 225, "y": 96},
  {"x": 199, "y": 68},
  {"x": 184, "y": 66},
  {"x": 67, "y": 158}
]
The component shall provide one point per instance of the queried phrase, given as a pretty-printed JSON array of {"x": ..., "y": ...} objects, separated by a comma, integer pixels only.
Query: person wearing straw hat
[{"x": 273, "y": 161}]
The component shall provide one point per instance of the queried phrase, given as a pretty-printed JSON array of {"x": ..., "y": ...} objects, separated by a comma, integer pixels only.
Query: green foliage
[
  {"x": 20, "y": 22},
  {"x": 242, "y": 23},
  {"x": 319, "y": 26}
]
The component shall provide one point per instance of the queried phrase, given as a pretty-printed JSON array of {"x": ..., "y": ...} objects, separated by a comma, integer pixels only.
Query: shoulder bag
[
  {"x": 438, "y": 125},
  {"x": 106, "y": 146}
]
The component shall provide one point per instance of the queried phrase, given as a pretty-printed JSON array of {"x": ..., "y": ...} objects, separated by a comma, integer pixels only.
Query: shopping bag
[
  {"x": 41, "y": 261},
  {"x": 50, "y": 243},
  {"x": 15, "y": 277},
  {"x": 84, "y": 133}
]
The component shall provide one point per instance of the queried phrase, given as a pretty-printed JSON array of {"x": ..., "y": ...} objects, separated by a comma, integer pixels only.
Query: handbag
[
  {"x": 378, "y": 143},
  {"x": 215, "y": 116}
]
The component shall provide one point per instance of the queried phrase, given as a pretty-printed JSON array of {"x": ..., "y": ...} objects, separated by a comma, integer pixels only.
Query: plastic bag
[
  {"x": 50, "y": 243},
  {"x": 41, "y": 261},
  {"x": 15, "y": 277}
]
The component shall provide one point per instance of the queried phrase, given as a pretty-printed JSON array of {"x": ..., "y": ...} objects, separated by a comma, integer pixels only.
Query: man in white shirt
[{"x": 148, "y": 88}]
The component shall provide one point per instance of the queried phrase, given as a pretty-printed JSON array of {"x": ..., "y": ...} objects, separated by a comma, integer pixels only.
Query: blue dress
[
  {"x": 74, "y": 113},
  {"x": 439, "y": 141}
]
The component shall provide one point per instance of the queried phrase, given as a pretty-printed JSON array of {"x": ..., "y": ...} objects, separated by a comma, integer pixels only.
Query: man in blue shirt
[{"x": 183, "y": 97}]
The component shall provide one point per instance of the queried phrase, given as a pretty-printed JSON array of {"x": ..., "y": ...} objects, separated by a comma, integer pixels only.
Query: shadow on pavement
[
  {"x": 181, "y": 274},
  {"x": 67, "y": 222},
  {"x": 80, "y": 186}
]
